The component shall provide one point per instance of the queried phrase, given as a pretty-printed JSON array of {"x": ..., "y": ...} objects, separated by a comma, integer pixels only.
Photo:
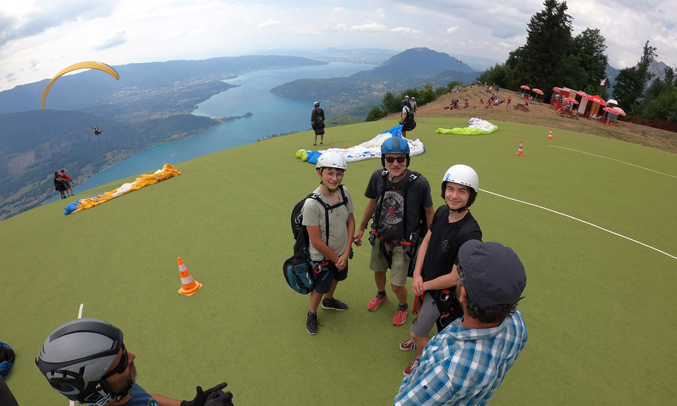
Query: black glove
[
  {"x": 219, "y": 398},
  {"x": 202, "y": 396}
]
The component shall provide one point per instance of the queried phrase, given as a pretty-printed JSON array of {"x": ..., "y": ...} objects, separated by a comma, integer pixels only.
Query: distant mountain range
[
  {"x": 145, "y": 90},
  {"x": 412, "y": 68}
]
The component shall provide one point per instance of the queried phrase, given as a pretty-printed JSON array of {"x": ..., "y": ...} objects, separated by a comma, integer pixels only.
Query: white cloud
[
  {"x": 342, "y": 26},
  {"x": 452, "y": 30},
  {"x": 269, "y": 23},
  {"x": 338, "y": 9},
  {"x": 111, "y": 41},
  {"x": 406, "y": 30},
  {"x": 368, "y": 27},
  {"x": 380, "y": 13}
]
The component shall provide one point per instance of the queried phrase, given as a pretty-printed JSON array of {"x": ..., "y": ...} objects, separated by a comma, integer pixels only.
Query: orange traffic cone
[
  {"x": 520, "y": 151},
  {"x": 550, "y": 135},
  {"x": 188, "y": 284}
]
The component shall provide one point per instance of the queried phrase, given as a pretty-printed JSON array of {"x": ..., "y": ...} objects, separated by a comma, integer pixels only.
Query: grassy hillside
[{"x": 598, "y": 307}]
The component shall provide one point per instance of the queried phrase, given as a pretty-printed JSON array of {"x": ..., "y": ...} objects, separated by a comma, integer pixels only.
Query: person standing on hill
[
  {"x": 435, "y": 274},
  {"x": 407, "y": 120},
  {"x": 328, "y": 218},
  {"x": 60, "y": 184},
  {"x": 68, "y": 178},
  {"x": 412, "y": 105},
  {"x": 317, "y": 122},
  {"x": 397, "y": 198},
  {"x": 468, "y": 360}
]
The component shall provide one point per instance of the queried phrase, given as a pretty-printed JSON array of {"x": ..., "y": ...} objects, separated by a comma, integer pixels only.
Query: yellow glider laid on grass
[{"x": 82, "y": 65}]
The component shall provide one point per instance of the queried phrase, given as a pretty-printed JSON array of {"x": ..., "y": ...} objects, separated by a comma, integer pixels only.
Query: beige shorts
[{"x": 399, "y": 267}]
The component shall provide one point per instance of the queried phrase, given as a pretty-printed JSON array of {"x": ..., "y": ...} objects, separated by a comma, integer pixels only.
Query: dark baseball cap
[{"x": 493, "y": 273}]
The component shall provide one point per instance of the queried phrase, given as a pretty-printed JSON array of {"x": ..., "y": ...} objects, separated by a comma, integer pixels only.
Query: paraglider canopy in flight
[{"x": 82, "y": 65}]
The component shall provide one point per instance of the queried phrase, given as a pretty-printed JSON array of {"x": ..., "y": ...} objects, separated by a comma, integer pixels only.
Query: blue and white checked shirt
[{"x": 462, "y": 366}]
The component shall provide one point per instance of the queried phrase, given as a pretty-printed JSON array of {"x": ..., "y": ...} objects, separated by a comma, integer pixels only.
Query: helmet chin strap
[
  {"x": 332, "y": 191},
  {"x": 461, "y": 210}
]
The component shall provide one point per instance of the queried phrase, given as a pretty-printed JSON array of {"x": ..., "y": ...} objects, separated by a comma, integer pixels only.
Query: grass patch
[{"x": 594, "y": 334}]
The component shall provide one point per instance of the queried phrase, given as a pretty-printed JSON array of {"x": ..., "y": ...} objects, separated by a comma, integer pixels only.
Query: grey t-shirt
[
  {"x": 392, "y": 210},
  {"x": 313, "y": 215}
]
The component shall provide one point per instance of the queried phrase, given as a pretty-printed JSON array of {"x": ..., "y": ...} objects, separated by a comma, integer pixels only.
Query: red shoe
[
  {"x": 408, "y": 345},
  {"x": 408, "y": 370},
  {"x": 376, "y": 302},
  {"x": 400, "y": 317}
]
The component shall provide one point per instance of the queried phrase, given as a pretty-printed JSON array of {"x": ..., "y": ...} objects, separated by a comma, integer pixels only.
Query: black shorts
[{"x": 325, "y": 278}]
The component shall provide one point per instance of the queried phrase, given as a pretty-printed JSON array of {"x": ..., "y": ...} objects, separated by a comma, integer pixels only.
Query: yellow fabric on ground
[{"x": 144, "y": 180}]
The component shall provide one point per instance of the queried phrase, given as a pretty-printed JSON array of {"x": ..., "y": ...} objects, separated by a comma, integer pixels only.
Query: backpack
[
  {"x": 6, "y": 359},
  {"x": 319, "y": 119},
  {"x": 409, "y": 123},
  {"x": 298, "y": 271},
  {"x": 410, "y": 242}
]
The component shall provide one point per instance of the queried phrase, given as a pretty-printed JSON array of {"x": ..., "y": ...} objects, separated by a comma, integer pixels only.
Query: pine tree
[{"x": 539, "y": 62}]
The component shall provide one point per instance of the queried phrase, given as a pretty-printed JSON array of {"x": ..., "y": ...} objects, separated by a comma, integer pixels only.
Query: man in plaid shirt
[{"x": 467, "y": 361}]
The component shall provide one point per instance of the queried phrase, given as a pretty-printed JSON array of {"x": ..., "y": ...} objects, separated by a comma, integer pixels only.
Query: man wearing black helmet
[
  {"x": 86, "y": 361},
  {"x": 317, "y": 122},
  {"x": 397, "y": 197}
]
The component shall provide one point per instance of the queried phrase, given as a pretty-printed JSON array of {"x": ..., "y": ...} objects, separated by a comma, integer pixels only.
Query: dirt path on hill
[{"x": 543, "y": 115}]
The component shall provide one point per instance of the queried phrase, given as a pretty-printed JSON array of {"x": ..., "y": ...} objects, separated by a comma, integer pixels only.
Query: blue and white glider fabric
[{"x": 367, "y": 150}]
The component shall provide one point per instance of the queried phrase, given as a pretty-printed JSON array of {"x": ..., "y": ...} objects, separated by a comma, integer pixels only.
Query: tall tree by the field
[
  {"x": 540, "y": 62},
  {"x": 630, "y": 82},
  {"x": 660, "y": 99},
  {"x": 590, "y": 48}
]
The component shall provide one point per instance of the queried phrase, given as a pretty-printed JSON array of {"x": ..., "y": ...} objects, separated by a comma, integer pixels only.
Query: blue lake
[{"x": 271, "y": 115}]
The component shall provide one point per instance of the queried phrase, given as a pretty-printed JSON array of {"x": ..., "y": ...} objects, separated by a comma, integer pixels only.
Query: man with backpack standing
[
  {"x": 435, "y": 274},
  {"x": 328, "y": 218},
  {"x": 407, "y": 121},
  {"x": 399, "y": 200},
  {"x": 317, "y": 122}
]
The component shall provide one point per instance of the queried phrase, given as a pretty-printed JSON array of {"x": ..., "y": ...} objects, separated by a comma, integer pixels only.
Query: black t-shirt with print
[
  {"x": 391, "y": 225},
  {"x": 445, "y": 242}
]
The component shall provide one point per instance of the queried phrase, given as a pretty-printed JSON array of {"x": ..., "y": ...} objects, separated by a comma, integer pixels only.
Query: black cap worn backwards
[{"x": 493, "y": 273}]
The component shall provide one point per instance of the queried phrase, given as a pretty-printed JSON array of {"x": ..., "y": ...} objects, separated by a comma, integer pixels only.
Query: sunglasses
[
  {"x": 392, "y": 159},
  {"x": 122, "y": 365}
]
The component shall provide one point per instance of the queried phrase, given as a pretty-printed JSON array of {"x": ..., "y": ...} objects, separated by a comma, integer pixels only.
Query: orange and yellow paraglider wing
[{"x": 82, "y": 65}]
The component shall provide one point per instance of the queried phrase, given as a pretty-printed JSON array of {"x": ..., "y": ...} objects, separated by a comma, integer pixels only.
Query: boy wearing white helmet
[
  {"x": 435, "y": 274},
  {"x": 331, "y": 226}
]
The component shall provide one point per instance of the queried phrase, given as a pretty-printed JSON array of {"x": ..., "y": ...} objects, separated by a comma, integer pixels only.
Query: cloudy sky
[{"x": 40, "y": 37}]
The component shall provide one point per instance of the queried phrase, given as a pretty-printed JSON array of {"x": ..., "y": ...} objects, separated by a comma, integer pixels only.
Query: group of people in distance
[
  {"x": 63, "y": 183},
  {"x": 455, "y": 104},
  {"x": 467, "y": 288}
]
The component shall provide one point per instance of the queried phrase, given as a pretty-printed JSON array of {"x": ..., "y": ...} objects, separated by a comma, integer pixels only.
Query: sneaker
[
  {"x": 311, "y": 323},
  {"x": 408, "y": 370},
  {"x": 333, "y": 304},
  {"x": 400, "y": 317},
  {"x": 408, "y": 345},
  {"x": 376, "y": 302}
]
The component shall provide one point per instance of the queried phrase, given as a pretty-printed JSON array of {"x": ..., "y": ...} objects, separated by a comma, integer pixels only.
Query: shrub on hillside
[{"x": 375, "y": 114}]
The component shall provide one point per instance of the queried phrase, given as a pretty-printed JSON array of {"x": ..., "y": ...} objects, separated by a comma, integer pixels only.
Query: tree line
[
  {"x": 552, "y": 56},
  {"x": 392, "y": 102}
]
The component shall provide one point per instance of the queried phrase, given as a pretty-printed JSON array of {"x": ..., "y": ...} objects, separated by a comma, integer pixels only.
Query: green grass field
[{"x": 600, "y": 309}]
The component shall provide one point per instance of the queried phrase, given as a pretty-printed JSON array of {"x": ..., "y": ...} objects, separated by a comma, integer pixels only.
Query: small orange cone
[
  {"x": 550, "y": 135},
  {"x": 188, "y": 284},
  {"x": 520, "y": 151}
]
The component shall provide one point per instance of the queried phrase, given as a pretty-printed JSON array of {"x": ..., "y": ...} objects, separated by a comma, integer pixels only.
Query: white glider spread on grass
[{"x": 367, "y": 150}]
